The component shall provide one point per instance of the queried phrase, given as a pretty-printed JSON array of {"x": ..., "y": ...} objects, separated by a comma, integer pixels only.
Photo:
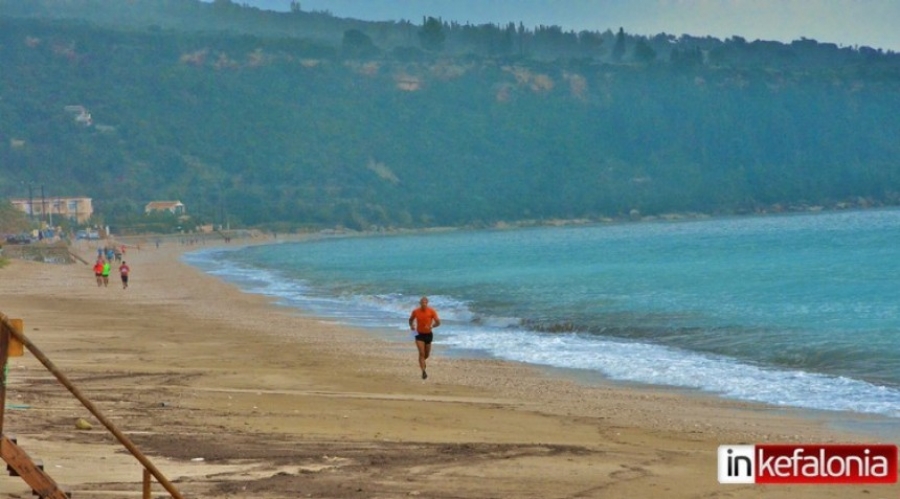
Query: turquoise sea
[{"x": 793, "y": 310}]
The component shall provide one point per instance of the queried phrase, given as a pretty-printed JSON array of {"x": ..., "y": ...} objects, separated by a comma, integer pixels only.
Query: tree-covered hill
[{"x": 315, "y": 121}]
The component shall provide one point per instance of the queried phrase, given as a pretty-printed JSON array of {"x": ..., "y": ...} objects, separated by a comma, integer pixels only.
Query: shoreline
[
  {"x": 281, "y": 404},
  {"x": 869, "y": 423}
]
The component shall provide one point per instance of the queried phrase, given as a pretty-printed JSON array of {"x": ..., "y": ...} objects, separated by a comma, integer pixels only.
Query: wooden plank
[
  {"x": 16, "y": 347},
  {"x": 41, "y": 483}
]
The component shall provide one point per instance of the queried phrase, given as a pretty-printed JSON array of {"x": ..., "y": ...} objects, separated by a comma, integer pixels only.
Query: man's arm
[{"x": 411, "y": 319}]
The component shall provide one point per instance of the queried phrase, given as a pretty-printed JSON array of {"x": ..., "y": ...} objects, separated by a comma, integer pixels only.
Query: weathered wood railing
[{"x": 13, "y": 342}]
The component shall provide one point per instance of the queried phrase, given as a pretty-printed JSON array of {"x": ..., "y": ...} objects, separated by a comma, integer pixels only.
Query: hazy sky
[{"x": 875, "y": 23}]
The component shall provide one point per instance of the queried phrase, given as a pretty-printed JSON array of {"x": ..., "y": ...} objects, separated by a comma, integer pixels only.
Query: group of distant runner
[
  {"x": 111, "y": 252},
  {"x": 103, "y": 267}
]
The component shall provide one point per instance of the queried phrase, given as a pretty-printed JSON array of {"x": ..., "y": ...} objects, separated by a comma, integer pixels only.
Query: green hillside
[{"x": 256, "y": 118}]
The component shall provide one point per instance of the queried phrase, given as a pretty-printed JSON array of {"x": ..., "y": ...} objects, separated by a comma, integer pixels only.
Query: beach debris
[
  {"x": 197, "y": 459},
  {"x": 83, "y": 424}
]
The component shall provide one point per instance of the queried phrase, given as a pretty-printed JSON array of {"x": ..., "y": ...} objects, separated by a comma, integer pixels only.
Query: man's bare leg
[{"x": 424, "y": 351}]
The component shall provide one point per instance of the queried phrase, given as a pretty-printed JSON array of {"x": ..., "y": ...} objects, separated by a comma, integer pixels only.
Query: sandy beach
[{"x": 231, "y": 395}]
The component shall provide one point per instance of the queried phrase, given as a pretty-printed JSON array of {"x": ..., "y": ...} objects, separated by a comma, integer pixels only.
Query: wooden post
[
  {"x": 10, "y": 346},
  {"x": 4, "y": 358},
  {"x": 146, "y": 483},
  {"x": 16, "y": 347}
]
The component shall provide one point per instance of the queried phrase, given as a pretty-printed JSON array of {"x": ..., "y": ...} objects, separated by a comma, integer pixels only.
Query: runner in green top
[{"x": 105, "y": 273}]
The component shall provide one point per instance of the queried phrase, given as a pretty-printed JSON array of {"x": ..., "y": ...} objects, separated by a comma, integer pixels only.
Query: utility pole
[
  {"x": 31, "y": 203},
  {"x": 43, "y": 204}
]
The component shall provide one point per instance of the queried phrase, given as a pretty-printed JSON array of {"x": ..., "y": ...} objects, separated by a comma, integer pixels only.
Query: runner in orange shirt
[
  {"x": 98, "y": 272},
  {"x": 422, "y": 320}
]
